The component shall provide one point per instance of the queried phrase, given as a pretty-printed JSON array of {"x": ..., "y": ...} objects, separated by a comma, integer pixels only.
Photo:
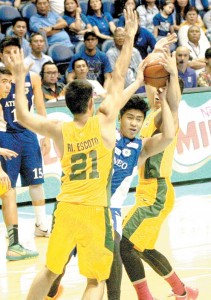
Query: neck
[
  {"x": 98, "y": 13},
  {"x": 208, "y": 69},
  {"x": 150, "y": 5},
  {"x": 81, "y": 119},
  {"x": 91, "y": 52},
  {"x": 52, "y": 86},
  {"x": 182, "y": 68},
  {"x": 37, "y": 54},
  {"x": 164, "y": 14}
]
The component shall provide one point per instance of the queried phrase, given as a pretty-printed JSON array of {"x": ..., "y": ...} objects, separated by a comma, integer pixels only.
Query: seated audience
[
  {"x": 81, "y": 69},
  {"x": 147, "y": 10},
  {"x": 78, "y": 24},
  {"x": 114, "y": 52},
  {"x": 144, "y": 41},
  {"x": 204, "y": 78},
  {"x": 130, "y": 3},
  {"x": 201, "y": 5},
  {"x": 179, "y": 12},
  {"x": 19, "y": 29},
  {"x": 50, "y": 24},
  {"x": 187, "y": 74},
  {"x": 37, "y": 57},
  {"x": 163, "y": 21},
  {"x": 53, "y": 90},
  {"x": 102, "y": 23},
  {"x": 98, "y": 62}
]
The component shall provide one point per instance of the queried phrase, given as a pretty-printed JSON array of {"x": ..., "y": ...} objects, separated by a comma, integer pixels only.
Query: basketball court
[{"x": 185, "y": 239}]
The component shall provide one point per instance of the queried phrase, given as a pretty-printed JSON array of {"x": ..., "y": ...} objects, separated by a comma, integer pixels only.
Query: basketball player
[
  {"x": 154, "y": 200},
  {"x": 29, "y": 161},
  {"x": 86, "y": 146},
  {"x": 5, "y": 86}
]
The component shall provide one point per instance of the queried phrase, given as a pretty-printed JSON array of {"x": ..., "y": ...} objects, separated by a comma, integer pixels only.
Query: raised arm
[
  {"x": 33, "y": 122},
  {"x": 158, "y": 142},
  {"x": 114, "y": 100}
]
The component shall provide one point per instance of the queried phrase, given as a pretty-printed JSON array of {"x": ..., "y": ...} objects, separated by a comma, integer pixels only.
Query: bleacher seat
[
  {"x": 108, "y": 6},
  {"x": 83, "y": 5},
  {"x": 28, "y": 10},
  {"x": 7, "y": 14},
  {"x": 106, "y": 45},
  {"x": 61, "y": 55},
  {"x": 79, "y": 46}
]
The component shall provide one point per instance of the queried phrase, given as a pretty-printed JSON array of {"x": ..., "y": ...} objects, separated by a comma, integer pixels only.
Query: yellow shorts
[
  {"x": 89, "y": 229},
  {"x": 154, "y": 201}
]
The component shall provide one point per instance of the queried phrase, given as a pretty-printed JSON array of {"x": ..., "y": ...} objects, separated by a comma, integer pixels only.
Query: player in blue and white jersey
[{"x": 28, "y": 163}]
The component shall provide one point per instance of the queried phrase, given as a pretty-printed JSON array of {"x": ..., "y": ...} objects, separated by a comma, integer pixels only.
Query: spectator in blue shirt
[
  {"x": 102, "y": 23},
  {"x": 144, "y": 41},
  {"x": 163, "y": 21},
  {"x": 50, "y": 24},
  {"x": 187, "y": 74},
  {"x": 19, "y": 29},
  {"x": 98, "y": 62},
  {"x": 77, "y": 22}
]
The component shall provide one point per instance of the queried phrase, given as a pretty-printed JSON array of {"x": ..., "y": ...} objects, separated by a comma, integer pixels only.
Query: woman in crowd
[
  {"x": 147, "y": 11},
  {"x": 77, "y": 22}
]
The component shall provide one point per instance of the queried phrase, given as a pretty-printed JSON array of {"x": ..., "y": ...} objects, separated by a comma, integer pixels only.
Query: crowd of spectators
[{"x": 92, "y": 24}]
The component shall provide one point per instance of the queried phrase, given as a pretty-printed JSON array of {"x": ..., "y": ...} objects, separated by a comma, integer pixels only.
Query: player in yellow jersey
[
  {"x": 154, "y": 201},
  {"x": 86, "y": 146}
]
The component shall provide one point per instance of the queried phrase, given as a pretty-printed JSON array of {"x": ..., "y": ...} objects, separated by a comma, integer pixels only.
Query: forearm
[
  {"x": 21, "y": 102},
  {"x": 168, "y": 127}
]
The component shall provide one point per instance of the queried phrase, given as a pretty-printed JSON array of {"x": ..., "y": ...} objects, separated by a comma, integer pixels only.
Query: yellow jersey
[
  {"x": 86, "y": 165},
  {"x": 159, "y": 165}
]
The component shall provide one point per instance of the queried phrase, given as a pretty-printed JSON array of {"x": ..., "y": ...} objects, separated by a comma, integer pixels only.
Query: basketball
[{"x": 154, "y": 73}]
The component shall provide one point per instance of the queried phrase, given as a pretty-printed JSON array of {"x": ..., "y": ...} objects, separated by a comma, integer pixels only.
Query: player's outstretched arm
[
  {"x": 173, "y": 92},
  {"x": 159, "y": 141},
  {"x": 114, "y": 100},
  {"x": 36, "y": 123}
]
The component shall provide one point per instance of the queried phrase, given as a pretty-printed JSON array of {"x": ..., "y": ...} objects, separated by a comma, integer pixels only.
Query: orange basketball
[{"x": 154, "y": 73}]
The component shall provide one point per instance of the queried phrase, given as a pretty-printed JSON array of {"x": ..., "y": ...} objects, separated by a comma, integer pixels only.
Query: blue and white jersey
[
  {"x": 125, "y": 168},
  {"x": 8, "y": 120}
]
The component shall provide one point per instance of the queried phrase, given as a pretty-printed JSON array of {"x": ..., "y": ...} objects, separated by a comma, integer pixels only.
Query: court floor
[{"x": 185, "y": 239}]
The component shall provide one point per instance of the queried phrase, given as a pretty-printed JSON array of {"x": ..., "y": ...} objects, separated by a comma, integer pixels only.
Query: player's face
[
  {"x": 81, "y": 69},
  {"x": 20, "y": 28},
  {"x": 5, "y": 85},
  {"x": 152, "y": 96},
  {"x": 131, "y": 123},
  {"x": 7, "y": 52}
]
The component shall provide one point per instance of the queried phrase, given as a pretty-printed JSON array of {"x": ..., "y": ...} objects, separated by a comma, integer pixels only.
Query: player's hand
[
  {"x": 4, "y": 180},
  {"x": 169, "y": 63},
  {"x": 140, "y": 73},
  {"x": 8, "y": 154},
  {"x": 131, "y": 21},
  {"x": 15, "y": 63},
  {"x": 45, "y": 145},
  {"x": 165, "y": 42},
  {"x": 162, "y": 92}
]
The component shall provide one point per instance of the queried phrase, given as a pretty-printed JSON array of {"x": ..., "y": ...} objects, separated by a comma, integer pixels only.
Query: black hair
[
  {"x": 164, "y": 3},
  {"x": 90, "y": 11},
  {"x": 4, "y": 71},
  {"x": 78, "y": 59},
  {"x": 9, "y": 41},
  {"x": 37, "y": 1},
  {"x": 89, "y": 33},
  {"x": 43, "y": 67},
  {"x": 77, "y": 95},
  {"x": 135, "y": 102},
  {"x": 181, "y": 84},
  {"x": 145, "y": 3},
  {"x": 208, "y": 53},
  {"x": 178, "y": 16},
  {"x": 19, "y": 19},
  {"x": 190, "y": 8}
]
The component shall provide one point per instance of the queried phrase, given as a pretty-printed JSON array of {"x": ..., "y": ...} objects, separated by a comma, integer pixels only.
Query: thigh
[
  {"x": 95, "y": 243},
  {"x": 31, "y": 164},
  {"x": 11, "y": 167},
  {"x": 142, "y": 225}
]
